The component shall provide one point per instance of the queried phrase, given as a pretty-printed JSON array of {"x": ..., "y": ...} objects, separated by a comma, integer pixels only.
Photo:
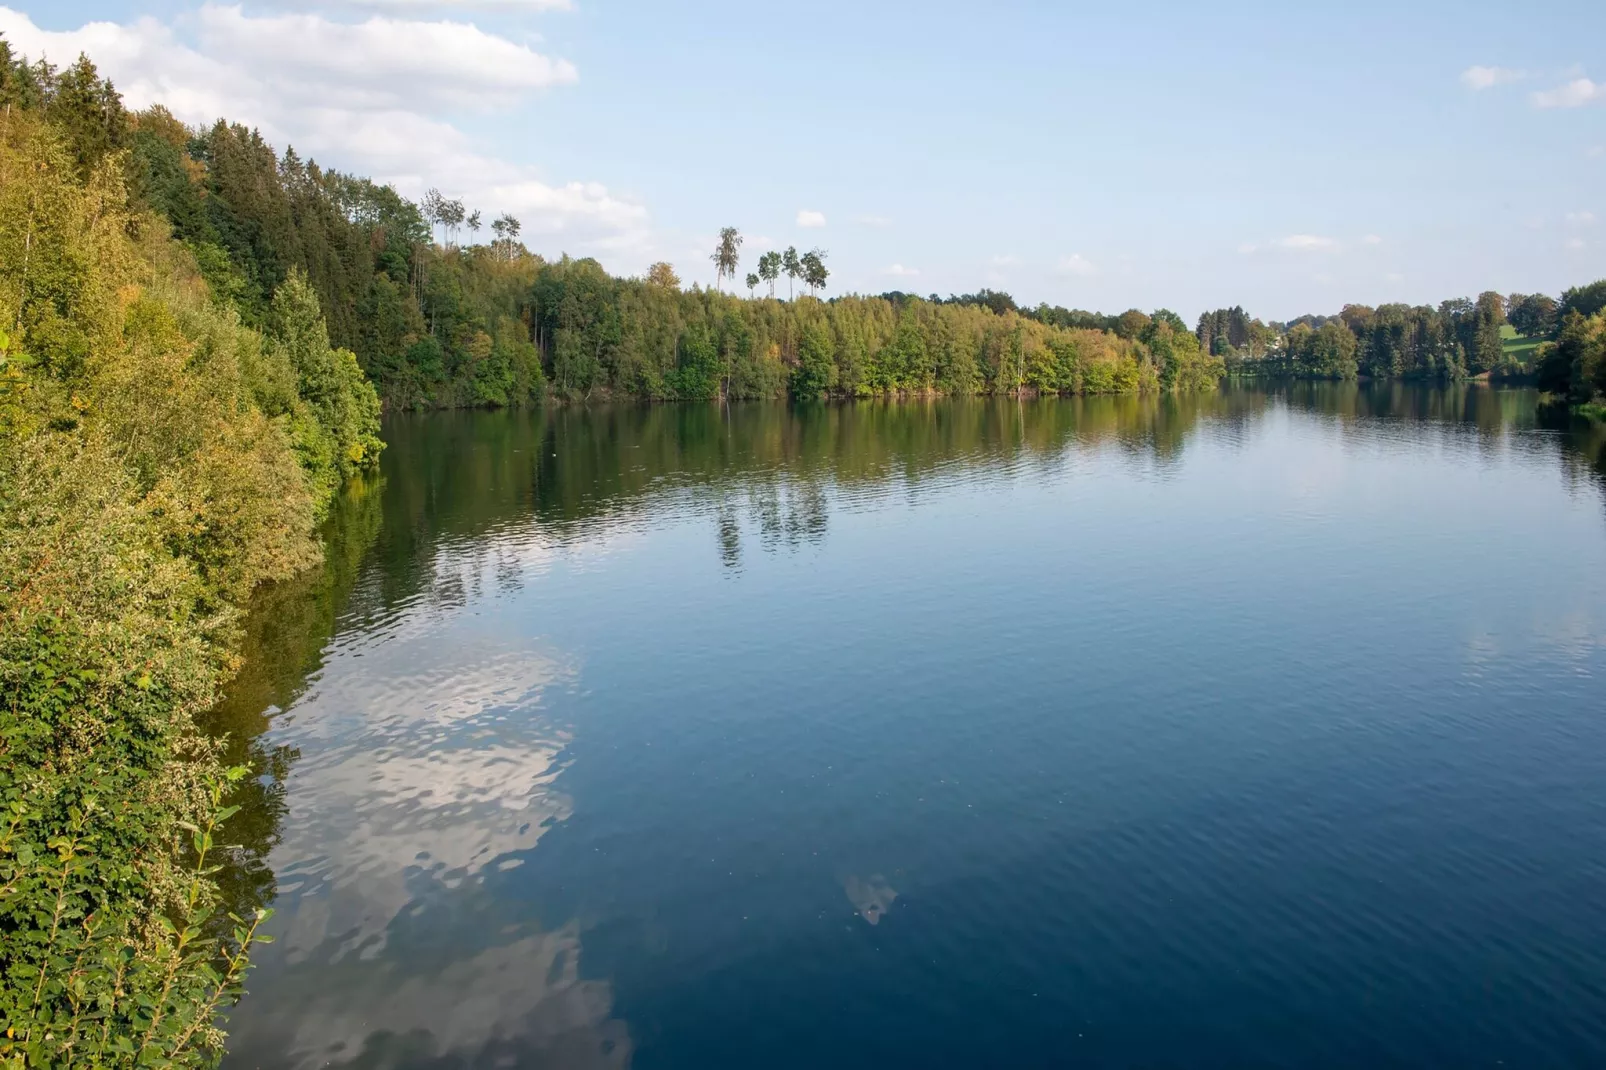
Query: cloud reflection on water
[{"x": 427, "y": 763}]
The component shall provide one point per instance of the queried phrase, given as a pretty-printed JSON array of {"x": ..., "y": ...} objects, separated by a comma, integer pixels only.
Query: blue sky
[{"x": 1290, "y": 158}]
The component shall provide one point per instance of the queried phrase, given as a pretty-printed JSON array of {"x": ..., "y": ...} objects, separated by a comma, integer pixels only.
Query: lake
[{"x": 1262, "y": 728}]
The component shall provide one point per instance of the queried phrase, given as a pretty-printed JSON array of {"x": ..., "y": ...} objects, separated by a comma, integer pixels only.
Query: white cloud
[
  {"x": 479, "y": 5},
  {"x": 1573, "y": 94},
  {"x": 880, "y": 222},
  {"x": 899, "y": 271},
  {"x": 380, "y": 62},
  {"x": 1575, "y": 243},
  {"x": 1076, "y": 264},
  {"x": 1595, "y": 152},
  {"x": 1394, "y": 276},
  {"x": 1306, "y": 243},
  {"x": 558, "y": 208},
  {"x": 375, "y": 97},
  {"x": 1004, "y": 260},
  {"x": 1372, "y": 239},
  {"x": 1488, "y": 77},
  {"x": 1581, "y": 219},
  {"x": 808, "y": 218}
]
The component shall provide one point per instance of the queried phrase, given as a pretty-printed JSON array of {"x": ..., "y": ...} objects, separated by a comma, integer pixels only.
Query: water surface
[{"x": 1257, "y": 729}]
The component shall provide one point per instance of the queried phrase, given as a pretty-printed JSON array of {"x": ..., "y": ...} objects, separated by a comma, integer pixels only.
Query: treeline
[
  {"x": 446, "y": 325},
  {"x": 607, "y": 335},
  {"x": 1129, "y": 324},
  {"x": 1457, "y": 339},
  {"x": 438, "y": 324},
  {"x": 493, "y": 325},
  {"x": 165, "y": 447}
]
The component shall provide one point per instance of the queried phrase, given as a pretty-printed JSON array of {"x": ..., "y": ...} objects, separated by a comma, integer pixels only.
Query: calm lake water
[{"x": 1257, "y": 729}]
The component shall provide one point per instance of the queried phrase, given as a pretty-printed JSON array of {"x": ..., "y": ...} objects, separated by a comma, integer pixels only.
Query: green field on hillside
[{"x": 1517, "y": 346}]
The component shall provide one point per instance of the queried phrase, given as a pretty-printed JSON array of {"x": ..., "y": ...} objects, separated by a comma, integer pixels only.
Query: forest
[
  {"x": 437, "y": 322},
  {"x": 1558, "y": 345}
]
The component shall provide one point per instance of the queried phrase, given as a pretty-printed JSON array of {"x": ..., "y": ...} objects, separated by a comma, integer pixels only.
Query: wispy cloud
[
  {"x": 1476, "y": 78},
  {"x": 1595, "y": 152},
  {"x": 1301, "y": 243},
  {"x": 1004, "y": 260},
  {"x": 879, "y": 222},
  {"x": 1573, "y": 94},
  {"x": 1076, "y": 264},
  {"x": 1581, "y": 219},
  {"x": 1372, "y": 239},
  {"x": 1306, "y": 243},
  {"x": 381, "y": 61},
  {"x": 901, "y": 272},
  {"x": 1575, "y": 243},
  {"x": 808, "y": 218}
]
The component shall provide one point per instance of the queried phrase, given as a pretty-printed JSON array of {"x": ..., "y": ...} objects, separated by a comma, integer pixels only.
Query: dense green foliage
[
  {"x": 607, "y": 335},
  {"x": 429, "y": 325},
  {"x": 158, "y": 460},
  {"x": 1456, "y": 340},
  {"x": 1229, "y": 333},
  {"x": 1574, "y": 366},
  {"x": 1557, "y": 344},
  {"x": 1571, "y": 366}
]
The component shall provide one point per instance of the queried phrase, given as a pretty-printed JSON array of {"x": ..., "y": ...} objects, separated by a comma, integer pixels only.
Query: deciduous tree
[
  {"x": 793, "y": 267},
  {"x": 812, "y": 265},
  {"x": 727, "y": 254},
  {"x": 663, "y": 274},
  {"x": 769, "y": 269}
]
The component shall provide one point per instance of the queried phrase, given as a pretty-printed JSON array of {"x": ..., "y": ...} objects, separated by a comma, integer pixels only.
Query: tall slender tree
[
  {"x": 727, "y": 254},
  {"x": 506, "y": 228},
  {"x": 814, "y": 273},
  {"x": 452, "y": 216},
  {"x": 432, "y": 207},
  {"x": 793, "y": 268},
  {"x": 769, "y": 269}
]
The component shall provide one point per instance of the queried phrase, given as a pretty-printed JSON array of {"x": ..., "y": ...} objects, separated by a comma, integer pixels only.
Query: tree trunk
[{"x": 27, "y": 253}]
